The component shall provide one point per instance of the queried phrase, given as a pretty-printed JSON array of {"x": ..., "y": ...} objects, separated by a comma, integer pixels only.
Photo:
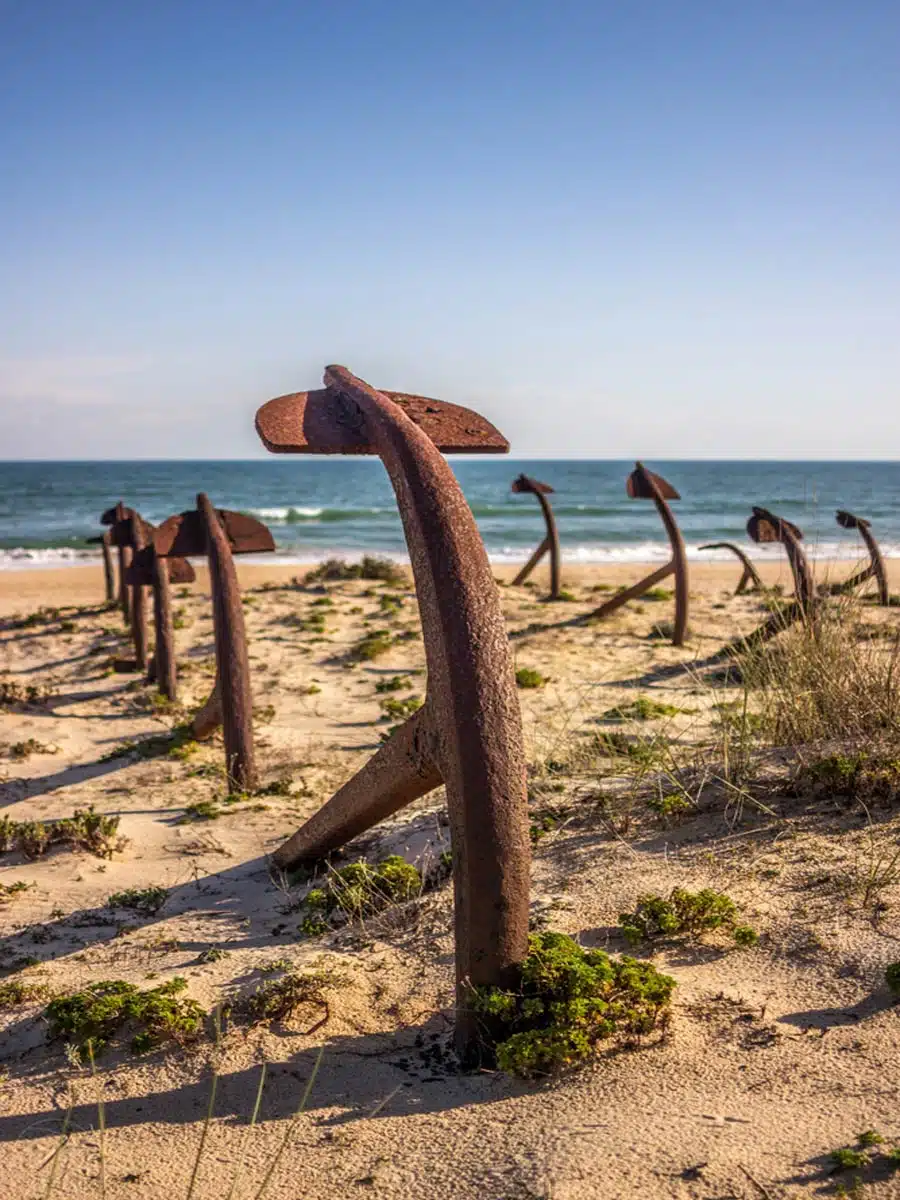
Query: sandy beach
[{"x": 799, "y": 1024}]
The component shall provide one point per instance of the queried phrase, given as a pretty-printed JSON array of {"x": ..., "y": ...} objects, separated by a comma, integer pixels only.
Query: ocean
[{"x": 319, "y": 507}]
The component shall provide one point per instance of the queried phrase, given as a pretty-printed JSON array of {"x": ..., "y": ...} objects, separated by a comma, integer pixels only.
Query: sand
[{"x": 776, "y": 1055}]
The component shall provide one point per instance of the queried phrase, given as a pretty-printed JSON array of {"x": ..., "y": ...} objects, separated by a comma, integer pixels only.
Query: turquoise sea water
[{"x": 317, "y": 507}]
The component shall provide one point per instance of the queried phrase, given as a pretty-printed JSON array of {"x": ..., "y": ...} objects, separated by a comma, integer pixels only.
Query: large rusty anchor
[
  {"x": 644, "y": 485},
  {"x": 766, "y": 527},
  {"x": 147, "y": 569},
  {"x": 876, "y": 568},
  {"x": 524, "y": 483},
  {"x": 468, "y": 734},
  {"x": 750, "y": 580},
  {"x": 219, "y": 534}
]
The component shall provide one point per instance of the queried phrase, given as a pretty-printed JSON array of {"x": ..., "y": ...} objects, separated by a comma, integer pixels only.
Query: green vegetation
[
  {"x": 8, "y": 891},
  {"x": 658, "y": 593},
  {"x": 93, "y": 1017},
  {"x": 566, "y": 597},
  {"x": 670, "y": 806},
  {"x": 642, "y": 709},
  {"x": 147, "y": 901},
  {"x": 18, "y": 991},
  {"x": 280, "y": 999},
  {"x": 892, "y": 977},
  {"x": 202, "y": 810},
  {"x": 856, "y": 776},
  {"x": 358, "y": 890},
  {"x": 528, "y": 677},
  {"x": 848, "y": 1159},
  {"x": 567, "y": 1001},
  {"x": 371, "y": 567},
  {"x": 393, "y": 683},
  {"x": 323, "y": 602},
  {"x": 684, "y": 914},
  {"x": 642, "y": 752},
  {"x": 178, "y": 744},
  {"x": 371, "y": 645},
  {"x": 22, "y": 750},
  {"x": 13, "y": 693},
  {"x": 394, "y": 709},
  {"x": 84, "y": 830},
  {"x": 545, "y": 821}
]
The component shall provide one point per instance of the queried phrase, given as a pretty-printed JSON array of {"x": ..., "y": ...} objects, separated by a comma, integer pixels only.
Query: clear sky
[{"x": 667, "y": 229}]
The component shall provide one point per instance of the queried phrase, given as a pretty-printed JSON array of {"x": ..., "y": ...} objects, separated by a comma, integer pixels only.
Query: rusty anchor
[
  {"x": 130, "y": 533},
  {"x": 111, "y": 517},
  {"x": 219, "y": 534},
  {"x": 109, "y": 574},
  {"x": 644, "y": 485},
  {"x": 148, "y": 570},
  {"x": 524, "y": 483},
  {"x": 468, "y": 734},
  {"x": 766, "y": 527},
  {"x": 875, "y": 570},
  {"x": 750, "y": 580}
]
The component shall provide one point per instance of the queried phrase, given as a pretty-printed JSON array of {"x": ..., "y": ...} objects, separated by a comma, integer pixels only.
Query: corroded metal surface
[
  {"x": 219, "y": 534},
  {"x": 111, "y": 517},
  {"x": 320, "y": 422},
  {"x": 750, "y": 579},
  {"x": 876, "y": 569},
  {"x": 765, "y": 527},
  {"x": 232, "y": 661},
  {"x": 469, "y": 732},
  {"x": 644, "y": 485},
  {"x": 522, "y": 484}
]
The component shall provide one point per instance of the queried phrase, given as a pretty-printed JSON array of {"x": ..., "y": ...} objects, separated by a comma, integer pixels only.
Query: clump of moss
[
  {"x": 393, "y": 683},
  {"x": 371, "y": 645},
  {"x": 370, "y": 567},
  {"x": 9, "y": 891},
  {"x": 102, "y": 1010},
  {"x": 202, "y": 810},
  {"x": 684, "y": 913},
  {"x": 17, "y": 991},
  {"x": 358, "y": 890},
  {"x": 892, "y": 977},
  {"x": 567, "y": 1001},
  {"x": 671, "y": 806},
  {"x": 394, "y": 709},
  {"x": 84, "y": 830},
  {"x": 23, "y": 750},
  {"x": 147, "y": 901},
  {"x": 178, "y": 744},
  {"x": 858, "y": 776},
  {"x": 642, "y": 709},
  {"x": 528, "y": 677},
  {"x": 13, "y": 693},
  {"x": 642, "y": 751}
]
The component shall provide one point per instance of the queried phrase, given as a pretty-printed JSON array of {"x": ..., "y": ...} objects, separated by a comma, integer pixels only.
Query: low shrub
[
  {"x": 102, "y": 1010},
  {"x": 684, "y": 913},
  {"x": 568, "y": 1000}
]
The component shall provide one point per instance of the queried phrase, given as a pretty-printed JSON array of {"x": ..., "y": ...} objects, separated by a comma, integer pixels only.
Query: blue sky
[{"x": 618, "y": 229}]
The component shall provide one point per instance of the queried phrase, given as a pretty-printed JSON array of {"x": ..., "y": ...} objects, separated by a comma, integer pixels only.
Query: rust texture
[
  {"x": 524, "y": 483},
  {"x": 469, "y": 732},
  {"x": 766, "y": 527},
  {"x": 750, "y": 580},
  {"x": 876, "y": 569},
  {"x": 644, "y": 485},
  {"x": 131, "y": 533},
  {"x": 109, "y": 575},
  {"x": 111, "y": 517},
  {"x": 219, "y": 534},
  {"x": 232, "y": 662}
]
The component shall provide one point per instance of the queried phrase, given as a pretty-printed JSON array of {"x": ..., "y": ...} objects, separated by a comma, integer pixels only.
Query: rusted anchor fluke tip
[
  {"x": 326, "y": 421},
  {"x": 185, "y": 534},
  {"x": 847, "y": 520},
  {"x": 637, "y": 485},
  {"x": 764, "y": 526},
  {"x": 141, "y": 570},
  {"x": 524, "y": 483}
]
